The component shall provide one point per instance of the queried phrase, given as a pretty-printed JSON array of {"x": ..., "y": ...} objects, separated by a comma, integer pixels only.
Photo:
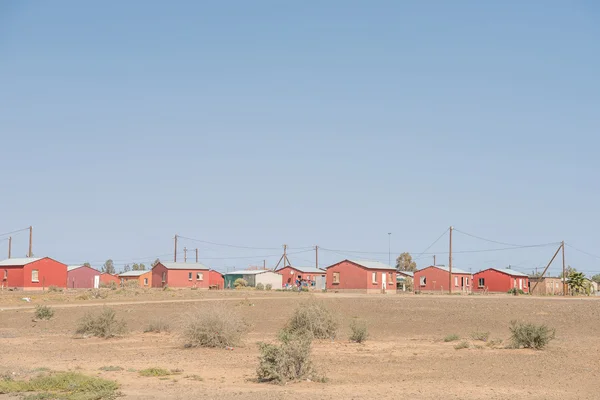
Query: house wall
[
  {"x": 357, "y": 278},
  {"x": 108, "y": 278},
  {"x": 179, "y": 278},
  {"x": 275, "y": 279},
  {"x": 14, "y": 277},
  {"x": 546, "y": 286},
  {"x": 499, "y": 282},
  {"x": 436, "y": 280},
  {"x": 82, "y": 277},
  {"x": 50, "y": 273},
  {"x": 216, "y": 279},
  {"x": 140, "y": 279},
  {"x": 158, "y": 271}
]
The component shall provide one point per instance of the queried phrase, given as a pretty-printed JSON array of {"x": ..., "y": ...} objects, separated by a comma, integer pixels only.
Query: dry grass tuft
[
  {"x": 313, "y": 318},
  {"x": 104, "y": 324},
  {"x": 214, "y": 325}
]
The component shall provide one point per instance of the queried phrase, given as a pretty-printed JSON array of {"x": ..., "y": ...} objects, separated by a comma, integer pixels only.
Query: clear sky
[{"x": 325, "y": 123}]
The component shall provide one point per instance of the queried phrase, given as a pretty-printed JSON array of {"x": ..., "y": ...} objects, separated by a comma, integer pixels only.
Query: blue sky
[{"x": 308, "y": 123}]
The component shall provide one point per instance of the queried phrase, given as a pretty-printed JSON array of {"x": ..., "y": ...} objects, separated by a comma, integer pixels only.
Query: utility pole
[
  {"x": 175, "y": 253},
  {"x": 185, "y": 254},
  {"x": 390, "y": 249},
  {"x": 434, "y": 260},
  {"x": 196, "y": 255},
  {"x": 30, "y": 241},
  {"x": 564, "y": 270},
  {"x": 284, "y": 254},
  {"x": 317, "y": 256},
  {"x": 9, "y": 246},
  {"x": 450, "y": 264},
  {"x": 264, "y": 264}
]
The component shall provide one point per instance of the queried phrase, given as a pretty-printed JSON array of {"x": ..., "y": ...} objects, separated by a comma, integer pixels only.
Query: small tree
[
  {"x": 141, "y": 267},
  {"x": 87, "y": 264},
  {"x": 596, "y": 278},
  {"x": 126, "y": 268},
  {"x": 155, "y": 262},
  {"x": 109, "y": 267},
  {"x": 135, "y": 267},
  {"x": 576, "y": 282},
  {"x": 404, "y": 262}
]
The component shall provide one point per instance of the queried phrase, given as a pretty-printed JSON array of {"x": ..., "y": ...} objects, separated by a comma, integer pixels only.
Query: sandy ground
[{"x": 405, "y": 357}]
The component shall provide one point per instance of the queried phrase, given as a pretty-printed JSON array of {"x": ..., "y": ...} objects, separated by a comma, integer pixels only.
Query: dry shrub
[
  {"x": 314, "y": 319},
  {"x": 43, "y": 312},
  {"x": 289, "y": 361},
  {"x": 63, "y": 385},
  {"x": 214, "y": 325},
  {"x": 268, "y": 286},
  {"x": 56, "y": 289},
  {"x": 482, "y": 336},
  {"x": 154, "y": 372},
  {"x": 359, "y": 331},
  {"x": 240, "y": 283},
  {"x": 104, "y": 324},
  {"x": 451, "y": 338},
  {"x": 530, "y": 336},
  {"x": 110, "y": 285},
  {"x": 260, "y": 286},
  {"x": 462, "y": 345},
  {"x": 157, "y": 326}
]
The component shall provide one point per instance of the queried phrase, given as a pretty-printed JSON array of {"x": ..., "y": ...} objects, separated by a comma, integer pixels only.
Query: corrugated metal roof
[
  {"x": 509, "y": 271},
  {"x": 454, "y": 270},
  {"x": 407, "y": 273},
  {"x": 134, "y": 273},
  {"x": 17, "y": 262},
  {"x": 72, "y": 267},
  {"x": 373, "y": 264},
  {"x": 253, "y": 272},
  {"x": 306, "y": 270},
  {"x": 180, "y": 265}
]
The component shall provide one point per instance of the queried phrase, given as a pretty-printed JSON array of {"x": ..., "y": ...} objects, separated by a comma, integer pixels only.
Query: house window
[
  {"x": 456, "y": 281},
  {"x": 189, "y": 276},
  {"x": 164, "y": 277},
  {"x": 422, "y": 281},
  {"x": 467, "y": 281},
  {"x": 35, "y": 275},
  {"x": 145, "y": 281},
  {"x": 374, "y": 277},
  {"x": 336, "y": 278},
  {"x": 481, "y": 282},
  {"x": 199, "y": 276}
]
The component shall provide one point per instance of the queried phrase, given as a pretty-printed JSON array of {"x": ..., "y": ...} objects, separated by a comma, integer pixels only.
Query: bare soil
[{"x": 405, "y": 356}]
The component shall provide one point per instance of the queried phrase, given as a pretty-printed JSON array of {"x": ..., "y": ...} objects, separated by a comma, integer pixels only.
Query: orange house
[
  {"x": 108, "y": 278},
  {"x": 144, "y": 278},
  {"x": 32, "y": 273},
  {"x": 181, "y": 275}
]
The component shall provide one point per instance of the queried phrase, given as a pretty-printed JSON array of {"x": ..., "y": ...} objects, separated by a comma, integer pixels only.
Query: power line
[
  {"x": 236, "y": 246},
  {"x": 431, "y": 245},
  {"x": 583, "y": 252},
  {"x": 487, "y": 240},
  {"x": 17, "y": 231}
]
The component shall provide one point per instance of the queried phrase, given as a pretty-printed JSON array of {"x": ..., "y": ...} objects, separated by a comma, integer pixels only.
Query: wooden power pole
[
  {"x": 317, "y": 256},
  {"x": 283, "y": 258},
  {"x": 184, "y": 254},
  {"x": 434, "y": 260},
  {"x": 9, "y": 246},
  {"x": 30, "y": 254},
  {"x": 196, "y": 255},
  {"x": 537, "y": 281},
  {"x": 450, "y": 264},
  {"x": 175, "y": 253},
  {"x": 564, "y": 269}
]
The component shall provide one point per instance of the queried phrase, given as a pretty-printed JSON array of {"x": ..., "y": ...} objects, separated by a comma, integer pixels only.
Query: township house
[
  {"x": 143, "y": 278},
  {"x": 82, "y": 276},
  {"x": 181, "y": 275},
  {"x": 310, "y": 277},
  {"x": 254, "y": 277},
  {"x": 436, "y": 279},
  {"x": 500, "y": 280},
  {"x": 32, "y": 273},
  {"x": 546, "y": 286},
  {"x": 361, "y": 276}
]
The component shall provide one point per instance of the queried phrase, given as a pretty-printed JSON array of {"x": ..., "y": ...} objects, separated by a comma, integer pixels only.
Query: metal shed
[{"x": 265, "y": 277}]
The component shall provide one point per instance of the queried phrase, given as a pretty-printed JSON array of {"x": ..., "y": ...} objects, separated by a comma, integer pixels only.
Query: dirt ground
[{"x": 404, "y": 358}]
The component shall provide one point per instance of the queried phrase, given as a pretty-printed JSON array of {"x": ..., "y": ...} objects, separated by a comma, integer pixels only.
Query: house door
[
  {"x": 96, "y": 281},
  {"x": 521, "y": 284},
  {"x": 383, "y": 281}
]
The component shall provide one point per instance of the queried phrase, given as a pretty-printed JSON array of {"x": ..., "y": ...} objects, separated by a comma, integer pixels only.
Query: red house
[
  {"x": 361, "y": 276},
  {"x": 500, "y": 280},
  {"x": 181, "y": 275},
  {"x": 81, "y": 276},
  {"x": 436, "y": 279},
  {"x": 107, "y": 279},
  {"x": 216, "y": 279},
  {"x": 310, "y": 277},
  {"x": 32, "y": 273}
]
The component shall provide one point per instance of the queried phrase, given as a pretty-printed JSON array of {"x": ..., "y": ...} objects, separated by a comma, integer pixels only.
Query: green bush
[
  {"x": 260, "y": 286},
  {"x": 240, "y": 283},
  {"x": 269, "y": 286},
  {"x": 515, "y": 291},
  {"x": 104, "y": 324},
  {"x": 63, "y": 385},
  {"x": 43, "y": 312},
  {"x": 530, "y": 336},
  {"x": 214, "y": 325},
  {"x": 359, "y": 332},
  {"x": 289, "y": 361},
  {"x": 451, "y": 338},
  {"x": 154, "y": 372},
  {"x": 314, "y": 319}
]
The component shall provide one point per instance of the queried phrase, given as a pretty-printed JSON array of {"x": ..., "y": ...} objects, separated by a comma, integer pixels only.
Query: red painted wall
[
  {"x": 356, "y": 277},
  {"x": 179, "y": 278},
  {"x": 496, "y": 281},
  {"x": 50, "y": 273},
  {"x": 14, "y": 277},
  {"x": 82, "y": 277},
  {"x": 157, "y": 276},
  {"x": 291, "y": 278},
  {"x": 108, "y": 278},
  {"x": 216, "y": 278},
  {"x": 436, "y": 280}
]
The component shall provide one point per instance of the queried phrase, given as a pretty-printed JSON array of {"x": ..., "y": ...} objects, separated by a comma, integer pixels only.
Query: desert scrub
[
  {"x": 451, "y": 338},
  {"x": 158, "y": 326},
  {"x": 268, "y": 286},
  {"x": 481, "y": 336},
  {"x": 214, "y": 325},
  {"x": 154, "y": 372},
  {"x": 55, "y": 289},
  {"x": 260, "y": 286},
  {"x": 110, "y": 368},
  {"x": 314, "y": 319},
  {"x": 462, "y": 345},
  {"x": 103, "y": 324},
  {"x": 240, "y": 283},
  {"x": 530, "y": 336},
  {"x": 359, "y": 332},
  {"x": 43, "y": 312},
  {"x": 64, "y": 386},
  {"x": 288, "y": 361}
]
